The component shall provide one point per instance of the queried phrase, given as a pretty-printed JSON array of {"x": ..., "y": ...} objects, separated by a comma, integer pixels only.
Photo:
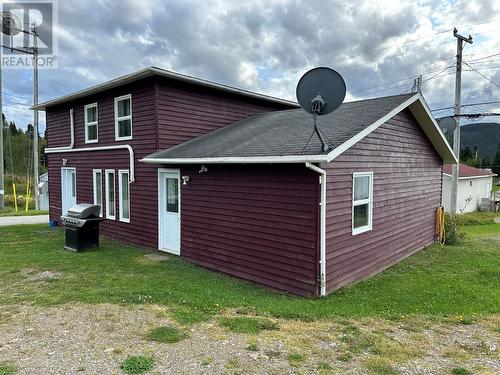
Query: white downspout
[
  {"x": 322, "y": 230},
  {"x": 70, "y": 148}
]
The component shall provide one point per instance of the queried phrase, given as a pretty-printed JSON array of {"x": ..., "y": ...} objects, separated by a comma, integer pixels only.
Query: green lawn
[
  {"x": 10, "y": 211},
  {"x": 438, "y": 281}
]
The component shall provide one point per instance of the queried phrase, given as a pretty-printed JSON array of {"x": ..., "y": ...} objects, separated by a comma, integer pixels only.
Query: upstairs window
[
  {"x": 123, "y": 118},
  {"x": 90, "y": 123},
  {"x": 362, "y": 202}
]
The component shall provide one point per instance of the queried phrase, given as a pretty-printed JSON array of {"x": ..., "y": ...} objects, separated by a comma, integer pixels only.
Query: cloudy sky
[{"x": 379, "y": 46}]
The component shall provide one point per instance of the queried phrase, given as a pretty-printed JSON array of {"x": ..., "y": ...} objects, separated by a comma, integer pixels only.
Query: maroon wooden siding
[
  {"x": 256, "y": 222},
  {"x": 186, "y": 111},
  {"x": 143, "y": 221},
  {"x": 164, "y": 113},
  {"x": 406, "y": 193}
]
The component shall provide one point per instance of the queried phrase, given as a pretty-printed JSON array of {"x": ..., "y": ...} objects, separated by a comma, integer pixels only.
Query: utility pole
[
  {"x": 417, "y": 84},
  {"x": 456, "y": 134},
  {"x": 35, "y": 116}
]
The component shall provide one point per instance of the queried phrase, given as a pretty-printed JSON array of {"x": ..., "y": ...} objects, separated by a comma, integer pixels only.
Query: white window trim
[
  {"x": 121, "y": 172},
  {"x": 369, "y": 200},
  {"x": 108, "y": 172},
  {"x": 94, "y": 185},
  {"x": 129, "y": 117},
  {"x": 87, "y": 124}
]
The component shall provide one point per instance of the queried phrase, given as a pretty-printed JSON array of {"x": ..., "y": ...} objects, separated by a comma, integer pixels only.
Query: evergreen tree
[
  {"x": 496, "y": 161},
  {"x": 486, "y": 163}
]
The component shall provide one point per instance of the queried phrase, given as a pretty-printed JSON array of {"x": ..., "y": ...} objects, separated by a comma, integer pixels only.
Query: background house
[{"x": 473, "y": 184}]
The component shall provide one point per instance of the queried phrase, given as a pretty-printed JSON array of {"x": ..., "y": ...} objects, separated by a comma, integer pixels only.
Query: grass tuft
[
  {"x": 188, "y": 316},
  {"x": 245, "y": 324},
  {"x": 379, "y": 366},
  {"x": 7, "y": 368},
  {"x": 253, "y": 346},
  {"x": 295, "y": 359},
  {"x": 460, "y": 371},
  {"x": 137, "y": 365},
  {"x": 166, "y": 334}
]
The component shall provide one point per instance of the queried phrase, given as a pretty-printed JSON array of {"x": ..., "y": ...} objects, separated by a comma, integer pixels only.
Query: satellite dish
[
  {"x": 10, "y": 23},
  {"x": 447, "y": 125},
  {"x": 320, "y": 91}
]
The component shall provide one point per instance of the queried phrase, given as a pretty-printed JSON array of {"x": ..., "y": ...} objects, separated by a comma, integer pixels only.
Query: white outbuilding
[{"x": 473, "y": 184}]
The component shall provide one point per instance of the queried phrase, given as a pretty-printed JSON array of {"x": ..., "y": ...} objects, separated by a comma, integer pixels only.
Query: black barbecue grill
[{"x": 82, "y": 226}]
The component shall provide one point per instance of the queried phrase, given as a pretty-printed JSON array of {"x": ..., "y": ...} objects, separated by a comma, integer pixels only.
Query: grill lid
[{"x": 84, "y": 211}]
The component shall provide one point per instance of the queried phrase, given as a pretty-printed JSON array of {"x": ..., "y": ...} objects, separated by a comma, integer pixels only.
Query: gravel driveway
[{"x": 96, "y": 339}]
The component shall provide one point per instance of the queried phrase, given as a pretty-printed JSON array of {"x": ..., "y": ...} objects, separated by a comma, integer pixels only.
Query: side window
[
  {"x": 97, "y": 178},
  {"x": 90, "y": 114},
  {"x": 110, "y": 194},
  {"x": 124, "y": 194},
  {"x": 362, "y": 202},
  {"x": 123, "y": 118}
]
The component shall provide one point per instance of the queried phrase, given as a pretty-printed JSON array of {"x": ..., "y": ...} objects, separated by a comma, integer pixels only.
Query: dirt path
[
  {"x": 97, "y": 339},
  {"x": 16, "y": 220}
]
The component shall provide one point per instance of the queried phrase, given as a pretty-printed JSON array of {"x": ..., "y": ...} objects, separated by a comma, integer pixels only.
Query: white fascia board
[
  {"x": 423, "y": 115},
  {"x": 369, "y": 129},
  {"x": 239, "y": 160}
]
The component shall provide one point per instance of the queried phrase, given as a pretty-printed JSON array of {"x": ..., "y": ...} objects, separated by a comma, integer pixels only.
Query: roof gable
[{"x": 286, "y": 136}]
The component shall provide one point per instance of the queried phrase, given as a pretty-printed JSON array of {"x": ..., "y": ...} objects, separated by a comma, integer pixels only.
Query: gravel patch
[{"x": 96, "y": 339}]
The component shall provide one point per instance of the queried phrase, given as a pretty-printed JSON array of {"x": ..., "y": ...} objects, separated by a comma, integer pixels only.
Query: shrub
[
  {"x": 137, "y": 365},
  {"x": 453, "y": 229}
]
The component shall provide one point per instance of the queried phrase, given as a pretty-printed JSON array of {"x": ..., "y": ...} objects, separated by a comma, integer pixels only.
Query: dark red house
[{"x": 227, "y": 178}]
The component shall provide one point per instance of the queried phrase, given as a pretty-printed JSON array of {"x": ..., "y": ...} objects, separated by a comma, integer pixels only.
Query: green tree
[
  {"x": 496, "y": 161},
  {"x": 486, "y": 163}
]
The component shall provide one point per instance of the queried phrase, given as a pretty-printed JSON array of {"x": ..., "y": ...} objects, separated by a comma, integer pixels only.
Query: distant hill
[{"x": 484, "y": 135}]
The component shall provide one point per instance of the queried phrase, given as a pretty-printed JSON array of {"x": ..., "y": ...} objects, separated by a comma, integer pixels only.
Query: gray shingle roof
[{"x": 285, "y": 133}]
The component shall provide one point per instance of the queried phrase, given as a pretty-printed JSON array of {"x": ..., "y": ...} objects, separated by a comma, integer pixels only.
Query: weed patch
[
  {"x": 137, "y": 365},
  {"x": 295, "y": 359},
  {"x": 166, "y": 334},
  {"x": 460, "y": 371},
  {"x": 241, "y": 324},
  {"x": 187, "y": 316}
]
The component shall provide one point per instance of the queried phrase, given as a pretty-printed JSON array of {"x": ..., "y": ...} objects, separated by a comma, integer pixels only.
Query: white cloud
[{"x": 265, "y": 46}]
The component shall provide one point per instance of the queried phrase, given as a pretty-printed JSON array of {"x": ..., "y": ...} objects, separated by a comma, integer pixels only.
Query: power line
[
  {"x": 467, "y": 105},
  {"x": 482, "y": 75},
  {"x": 486, "y": 57}
]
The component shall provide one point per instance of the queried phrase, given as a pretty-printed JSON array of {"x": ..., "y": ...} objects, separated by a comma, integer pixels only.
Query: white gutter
[
  {"x": 70, "y": 148},
  {"x": 239, "y": 160},
  {"x": 322, "y": 230}
]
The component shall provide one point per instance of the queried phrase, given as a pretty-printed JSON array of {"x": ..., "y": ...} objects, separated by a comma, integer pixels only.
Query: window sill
[
  {"x": 91, "y": 141},
  {"x": 125, "y": 220},
  {"x": 361, "y": 230},
  {"x": 123, "y": 138}
]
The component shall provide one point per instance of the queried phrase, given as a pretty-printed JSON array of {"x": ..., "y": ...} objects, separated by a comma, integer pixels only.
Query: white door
[
  {"x": 169, "y": 223},
  {"x": 488, "y": 190},
  {"x": 68, "y": 188}
]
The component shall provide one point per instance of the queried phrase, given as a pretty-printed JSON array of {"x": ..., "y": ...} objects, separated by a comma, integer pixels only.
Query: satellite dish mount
[{"x": 320, "y": 91}]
